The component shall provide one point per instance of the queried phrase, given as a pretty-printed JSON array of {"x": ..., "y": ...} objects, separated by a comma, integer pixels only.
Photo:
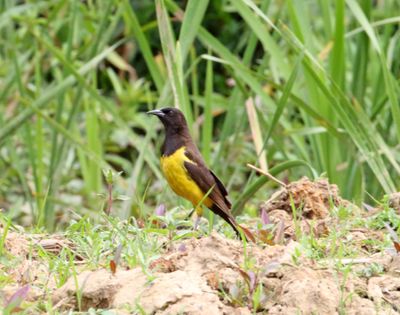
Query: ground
[{"x": 316, "y": 254}]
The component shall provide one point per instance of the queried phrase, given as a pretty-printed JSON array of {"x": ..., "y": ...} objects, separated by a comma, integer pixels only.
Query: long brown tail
[
  {"x": 235, "y": 226},
  {"x": 247, "y": 233}
]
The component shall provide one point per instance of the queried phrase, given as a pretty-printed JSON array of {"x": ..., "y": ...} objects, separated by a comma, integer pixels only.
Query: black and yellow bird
[{"x": 186, "y": 171}]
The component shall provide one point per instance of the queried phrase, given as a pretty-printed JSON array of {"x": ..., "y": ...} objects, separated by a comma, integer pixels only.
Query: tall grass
[{"x": 320, "y": 79}]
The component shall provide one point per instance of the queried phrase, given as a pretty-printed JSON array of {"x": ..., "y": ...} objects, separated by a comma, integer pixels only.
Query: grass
[{"x": 294, "y": 88}]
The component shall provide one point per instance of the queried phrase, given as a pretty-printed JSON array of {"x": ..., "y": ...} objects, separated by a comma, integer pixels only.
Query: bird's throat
[{"x": 174, "y": 141}]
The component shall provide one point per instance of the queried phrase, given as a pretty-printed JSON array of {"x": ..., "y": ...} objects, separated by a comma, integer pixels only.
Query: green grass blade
[
  {"x": 338, "y": 57},
  {"x": 390, "y": 84},
  {"x": 174, "y": 60},
  {"x": 207, "y": 128},
  {"x": 194, "y": 14},
  {"x": 132, "y": 22},
  {"x": 50, "y": 94},
  {"x": 261, "y": 181},
  {"x": 360, "y": 61},
  {"x": 283, "y": 100},
  {"x": 262, "y": 32}
]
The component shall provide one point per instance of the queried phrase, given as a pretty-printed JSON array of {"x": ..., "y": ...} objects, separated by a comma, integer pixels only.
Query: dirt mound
[
  {"x": 304, "y": 205},
  {"x": 186, "y": 278},
  {"x": 312, "y": 199},
  {"x": 27, "y": 268},
  {"x": 208, "y": 275}
]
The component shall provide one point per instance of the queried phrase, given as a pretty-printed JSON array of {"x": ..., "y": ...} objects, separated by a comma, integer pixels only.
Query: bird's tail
[
  {"x": 237, "y": 227},
  {"x": 247, "y": 233},
  {"x": 227, "y": 216}
]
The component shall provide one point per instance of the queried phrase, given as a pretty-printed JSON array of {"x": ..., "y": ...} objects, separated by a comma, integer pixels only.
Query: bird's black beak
[{"x": 156, "y": 112}]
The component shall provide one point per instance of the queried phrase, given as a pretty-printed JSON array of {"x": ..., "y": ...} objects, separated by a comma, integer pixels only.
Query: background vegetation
[{"x": 296, "y": 87}]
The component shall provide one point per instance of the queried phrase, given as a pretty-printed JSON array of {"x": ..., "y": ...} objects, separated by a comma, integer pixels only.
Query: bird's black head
[{"x": 172, "y": 118}]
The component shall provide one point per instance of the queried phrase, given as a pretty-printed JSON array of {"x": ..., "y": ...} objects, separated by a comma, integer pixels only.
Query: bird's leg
[
  {"x": 190, "y": 214},
  {"x": 199, "y": 213},
  {"x": 197, "y": 223},
  {"x": 198, "y": 218}
]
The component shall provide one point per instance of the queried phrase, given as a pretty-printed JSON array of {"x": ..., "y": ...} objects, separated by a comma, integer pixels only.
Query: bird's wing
[
  {"x": 207, "y": 181},
  {"x": 221, "y": 188}
]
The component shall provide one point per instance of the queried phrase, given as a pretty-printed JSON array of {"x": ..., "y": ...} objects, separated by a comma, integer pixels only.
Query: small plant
[
  {"x": 13, "y": 304},
  {"x": 296, "y": 215},
  {"x": 372, "y": 270},
  {"x": 252, "y": 293},
  {"x": 343, "y": 272},
  {"x": 111, "y": 178},
  {"x": 5, "y": 224},
  {"x": 387, "y": 215},
  {"x": 296, "y": 256}
]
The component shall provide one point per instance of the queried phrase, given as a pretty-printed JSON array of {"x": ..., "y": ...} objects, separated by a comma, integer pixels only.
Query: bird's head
[{"x": 172, "y": 118}]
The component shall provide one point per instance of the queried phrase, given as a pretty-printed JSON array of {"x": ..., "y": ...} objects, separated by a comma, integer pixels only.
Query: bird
[{"x": 186, "y": 172}]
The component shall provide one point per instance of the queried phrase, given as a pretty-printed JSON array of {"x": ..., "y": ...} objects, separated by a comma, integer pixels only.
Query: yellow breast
[{"x": 178, "y": 178}]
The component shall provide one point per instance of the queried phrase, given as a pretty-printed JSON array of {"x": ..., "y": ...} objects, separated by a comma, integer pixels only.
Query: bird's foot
[{"x": 197, "y": 223}]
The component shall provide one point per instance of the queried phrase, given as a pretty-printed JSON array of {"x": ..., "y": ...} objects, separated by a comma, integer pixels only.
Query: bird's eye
[{"x": 168, "y": 111}]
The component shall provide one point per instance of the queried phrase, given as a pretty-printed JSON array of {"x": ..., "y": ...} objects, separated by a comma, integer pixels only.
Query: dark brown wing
[
  {"x": 222, "y": 188},
  {"x": 206, "y": 179}
]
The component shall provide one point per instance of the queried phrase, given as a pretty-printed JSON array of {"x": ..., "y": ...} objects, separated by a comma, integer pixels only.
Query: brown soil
[
  {"x": 211, "y": 275},
  {"x": 196, "y": 278},
  {"x": 312, "y": 201}
]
